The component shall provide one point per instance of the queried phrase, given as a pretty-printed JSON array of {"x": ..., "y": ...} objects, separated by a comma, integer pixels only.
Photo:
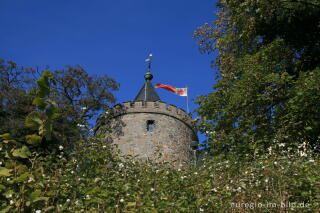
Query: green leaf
[
  {"x": 34, "y": 120},
  {"x": 6, "y": 209},
  {"x": 4, "y": 172},
  {"x": 43, "y": 83},
  {"x": 23, "y": 177},
  {"x": 33, "y": 139},
  {"x": 130, "y": 204},
  {"x": 9, "y": 193},
  {"x": 35, "y": 195},
  {"x": 53, "y": 112},
  {"x": 46, "y": 130},
  {"x": 40, "y": 198},
  {"x": 23, "y": 152},
  {"x": 2, "y": 187},
  {"x": 5, "y": 136},
  {"x": 308, "y": 128},
  {"x": 39, "y": 102}
]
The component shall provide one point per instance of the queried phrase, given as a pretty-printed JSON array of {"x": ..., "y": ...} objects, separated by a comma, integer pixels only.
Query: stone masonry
[{"x": 152, "y": 130}]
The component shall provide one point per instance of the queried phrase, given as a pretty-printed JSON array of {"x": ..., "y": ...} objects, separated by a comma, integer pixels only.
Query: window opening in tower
[{"x": 150, "y": 125}]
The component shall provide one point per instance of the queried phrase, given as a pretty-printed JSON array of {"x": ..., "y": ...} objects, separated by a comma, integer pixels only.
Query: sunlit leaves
[
  {"x": 44, "y": 84},
  {"x": 33, "y": 139},
  {"x": 22, "y": 152},
  {"x": 4, "y": 172}
]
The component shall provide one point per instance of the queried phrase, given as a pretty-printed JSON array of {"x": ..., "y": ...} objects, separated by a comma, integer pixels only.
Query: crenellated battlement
[{"x": 152, "y": 107}]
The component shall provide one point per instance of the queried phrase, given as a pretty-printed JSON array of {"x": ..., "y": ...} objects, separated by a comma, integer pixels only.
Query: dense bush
[{"x": 94, "y": 178}]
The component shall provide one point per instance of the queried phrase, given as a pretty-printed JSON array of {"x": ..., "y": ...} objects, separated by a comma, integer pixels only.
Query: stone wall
[{"x": 169, "y": 140}]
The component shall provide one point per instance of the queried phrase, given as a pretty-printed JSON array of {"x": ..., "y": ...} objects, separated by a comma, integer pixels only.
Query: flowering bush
[{"x": 94, "y": 178}]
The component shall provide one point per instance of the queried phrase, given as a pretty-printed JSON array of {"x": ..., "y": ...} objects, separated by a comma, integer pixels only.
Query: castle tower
[{"x": 149, "y": 128}]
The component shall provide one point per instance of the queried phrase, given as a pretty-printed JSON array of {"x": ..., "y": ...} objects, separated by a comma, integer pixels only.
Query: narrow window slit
[{"x": 150, "y": 125}]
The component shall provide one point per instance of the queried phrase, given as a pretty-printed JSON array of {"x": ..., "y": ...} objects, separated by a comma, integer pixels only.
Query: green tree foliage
[
  {"x": 268, "y": 82},
  {"x": 78, "y": 95}
]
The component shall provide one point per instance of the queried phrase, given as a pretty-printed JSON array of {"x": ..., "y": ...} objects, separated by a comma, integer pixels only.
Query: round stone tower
[{"x": 149, "y": 128}]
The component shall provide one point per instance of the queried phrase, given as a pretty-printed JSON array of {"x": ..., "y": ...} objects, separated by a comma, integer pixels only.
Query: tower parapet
[{"x": 157, "y": 107}]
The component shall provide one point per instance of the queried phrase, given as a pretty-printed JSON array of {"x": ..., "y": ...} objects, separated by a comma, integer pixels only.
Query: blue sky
[{"x": 113, "y": 38}]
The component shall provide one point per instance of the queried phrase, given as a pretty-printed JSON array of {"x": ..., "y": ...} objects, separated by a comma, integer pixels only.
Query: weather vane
[{"x": 149, "y": 59}]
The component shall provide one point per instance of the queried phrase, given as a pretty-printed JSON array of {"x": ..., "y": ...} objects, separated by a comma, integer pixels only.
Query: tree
[
  {"x": 267, "y": 89},
  {"x": 78, "y": 95}
]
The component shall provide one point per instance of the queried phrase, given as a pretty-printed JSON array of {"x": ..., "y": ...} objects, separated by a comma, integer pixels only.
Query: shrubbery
[{"x": 95, "y": 179}]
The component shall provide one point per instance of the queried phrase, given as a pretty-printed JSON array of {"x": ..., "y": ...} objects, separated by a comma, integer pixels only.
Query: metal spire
[
  {"x": 148, "y": 75},
  {"x": 147, "y": 92}
]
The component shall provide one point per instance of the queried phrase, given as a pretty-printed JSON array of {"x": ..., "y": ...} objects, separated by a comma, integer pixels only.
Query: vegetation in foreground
[{"x": 262, "y": 123}]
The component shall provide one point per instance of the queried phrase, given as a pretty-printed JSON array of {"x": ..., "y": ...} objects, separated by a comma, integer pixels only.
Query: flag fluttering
[{"x": 178, "y": 91}]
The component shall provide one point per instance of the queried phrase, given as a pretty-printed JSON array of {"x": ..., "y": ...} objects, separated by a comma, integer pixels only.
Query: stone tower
[{"x": 149, "y": 128}]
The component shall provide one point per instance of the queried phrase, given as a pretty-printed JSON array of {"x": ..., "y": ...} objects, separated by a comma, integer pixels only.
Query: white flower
[
  {"x": 11, "y": 202},
  {"x": 121, "y": 165},
  {"x": 215, "y": 190},
  {"x": 61, "y": 147},
  {"x": 104, "y": 146},
  {"x": 195, "y": 173},
  {"x": 259, "y": 195},
  {"x": 88, "y": 196},
  {"x": 30, "y": 180},
  {"x": 266, "y": 180},
  {"x": 121, "y": 200},
  {"x": 107, "y": 112},
  {"x": 38, "y": 211},
  {"x": 152, "y": 189},
  {"x": 0, "y": 163},
  {"x": 303, "y": 154},
  {"x": 68, "y": 200},
  {"x": 84, "y": 108},
  {"x": 183, "y": 177},
  {"x": 201, "y": 210},
  {"x": 281, "y": 144},
  {"x": 275, "y": 163},
  {"x": 311, "y": 160}
]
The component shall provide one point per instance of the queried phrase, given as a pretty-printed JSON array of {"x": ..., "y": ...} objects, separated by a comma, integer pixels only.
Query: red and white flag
[{"x": 178, "y": 91}]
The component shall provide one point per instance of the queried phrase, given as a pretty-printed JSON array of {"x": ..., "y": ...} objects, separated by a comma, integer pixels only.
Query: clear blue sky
[{"x": 113, "y": 38}]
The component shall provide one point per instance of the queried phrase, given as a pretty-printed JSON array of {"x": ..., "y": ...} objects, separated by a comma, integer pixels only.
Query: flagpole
[{"x": 187, "y": 100}]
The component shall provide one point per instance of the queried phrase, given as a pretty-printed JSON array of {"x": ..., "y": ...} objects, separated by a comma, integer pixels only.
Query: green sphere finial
[{"x": 148, "y": 76}]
